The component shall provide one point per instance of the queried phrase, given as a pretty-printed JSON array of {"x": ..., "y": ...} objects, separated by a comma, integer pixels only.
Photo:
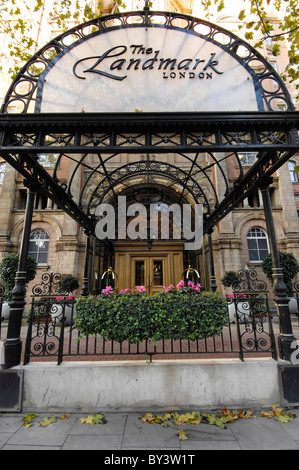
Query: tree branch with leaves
[{"x": 273, "y": 20}]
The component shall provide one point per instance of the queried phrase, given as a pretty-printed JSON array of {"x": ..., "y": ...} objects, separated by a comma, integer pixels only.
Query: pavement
[{"x": 125, "y": 439}]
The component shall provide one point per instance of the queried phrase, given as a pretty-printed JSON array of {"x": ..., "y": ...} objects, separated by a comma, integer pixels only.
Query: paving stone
[
  {"x": 52, "y": 435},
  {"x": 90, "y": 442},
  {"x": 262, "y": 434},
  {"x": 4, "y": 437},
  {"x": 139, "y": 434},
  {"x": 206, "y": 444},
  {"x": 114, "y": 425},
  {"x": 207, "y": 432},
  {"x": 10, "y": 423},
  {"x": 17, "y": 447}
]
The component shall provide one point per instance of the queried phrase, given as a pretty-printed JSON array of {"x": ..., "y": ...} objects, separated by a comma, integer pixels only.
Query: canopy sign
[
  {"x": 147, "y": 69},
  {"x": 147, "y": 61}
]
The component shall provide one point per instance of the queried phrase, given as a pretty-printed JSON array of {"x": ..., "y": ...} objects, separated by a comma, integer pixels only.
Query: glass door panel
[
  {"x": 150, "y": 272},
  {"x": 139, "y": 273},
  {"x": 157, "y": 273}
]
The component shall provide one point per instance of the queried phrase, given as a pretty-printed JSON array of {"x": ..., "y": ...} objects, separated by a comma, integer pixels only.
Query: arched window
[
  {"x": 258, "y": 244},
  {"x": 39, "y": 246},
  {"x": 2, "y": 170},
  {"x": 293, "y": 173}
]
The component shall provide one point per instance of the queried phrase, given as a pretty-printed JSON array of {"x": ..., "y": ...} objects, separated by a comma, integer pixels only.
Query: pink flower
[
  {"x": 180, "y": 285},
  {"x": 69, "y": 297},
  {"x": 124, "y": 291},
  {"x": 194, "y": 286},
  {"x": 140, "y": 288},
  {"x": 168, "y": 288},
  {"x": 108, "y": 290}
]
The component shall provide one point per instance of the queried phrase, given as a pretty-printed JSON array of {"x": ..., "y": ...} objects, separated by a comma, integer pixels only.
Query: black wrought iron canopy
[
  {"x": 24, "y": 137},
  {"x": 95, "y": 141}
]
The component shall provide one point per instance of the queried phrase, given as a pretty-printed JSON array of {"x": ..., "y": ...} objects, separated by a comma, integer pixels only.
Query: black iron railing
[
  {"x": 2, "y": 297},
  {"x": 52, "y": 333}
]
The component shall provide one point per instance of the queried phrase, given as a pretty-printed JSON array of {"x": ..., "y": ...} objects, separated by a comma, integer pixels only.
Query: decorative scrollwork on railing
[
  {"x": 50, "y": 285},
  {"x": 252, "y": 315},
  {"x": 256, "y": 338},
  {"x": 47, "y": 319},
  {"x": 42, "y": 337},
  {"x": 248, "y": 282},
  {"x": 2, "y": 290},
  {"x": 296, "y": 287}
]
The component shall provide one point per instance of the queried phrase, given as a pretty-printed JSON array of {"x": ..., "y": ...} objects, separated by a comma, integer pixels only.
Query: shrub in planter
[
  {"x": 228, "y": 278},
  {"x": 69, "y": 283},
  {"x": 182, "y": 314},
  {"x": 289, "y": 266},
  {"x": 8, "y": 270},
  {"x": 187, "y": 314}
]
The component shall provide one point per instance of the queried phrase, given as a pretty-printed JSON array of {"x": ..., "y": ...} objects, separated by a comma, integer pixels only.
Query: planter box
[
  {"x": 5, "y": 311},
  {"x": 57, "y": 312},
  {"x": 243, "y": 309}
]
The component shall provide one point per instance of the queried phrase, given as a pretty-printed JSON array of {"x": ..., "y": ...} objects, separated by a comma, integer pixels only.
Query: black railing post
[
  {"x": 286, "y": 336},
  {"x": 85, "y": 287},
  {"x": 212, "y": 268},
  {"x": 13, "y": 344}
]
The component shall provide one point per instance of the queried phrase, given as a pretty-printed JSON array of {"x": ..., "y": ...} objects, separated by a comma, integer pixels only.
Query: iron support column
[
  {"x": 85, "y": 287},
  {"x": 13, "y": 344},
  {"x": 282, "y": 302},
  {"x": 212, "y": 268}
]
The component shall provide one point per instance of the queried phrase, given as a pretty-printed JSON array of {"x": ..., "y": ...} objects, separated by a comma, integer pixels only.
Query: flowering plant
[
  {"x": 235, "y": 296},
  {"x": 68, "y": 297},
  {"x": 181, "y": 285},
  {"x": 140, "y": 289},
  {"x": 108, "y": 290},
  {"x": 186, "y": 314},
  {"x": 168, "y": 288},
  {"x": 124, "y": 291}
]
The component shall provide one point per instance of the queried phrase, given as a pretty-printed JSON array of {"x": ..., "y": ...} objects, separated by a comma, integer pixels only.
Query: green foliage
[
  {"x": 94, "y": 419},
  {"x": 228, "y": 278},
  {"x": 8, "y": 270},
  {"x": 69, "y": 283},
  {"x": 256, "y": 17},
  {"x": 183, "y": 314},
  {"x": 289, "y": 266}
]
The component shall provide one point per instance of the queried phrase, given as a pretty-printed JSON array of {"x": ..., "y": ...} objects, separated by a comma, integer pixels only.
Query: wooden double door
[
  {"x": 152, "y": 269},
  {"x": 149, "y": 271}
]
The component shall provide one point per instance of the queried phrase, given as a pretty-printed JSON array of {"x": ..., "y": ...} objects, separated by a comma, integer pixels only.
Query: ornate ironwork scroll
[
  {"x": 249, "y": 283},
  {"x": 51, "y": 311},
  {"x": 50, "y": 285},
  {"x": 252, "y": 315}
]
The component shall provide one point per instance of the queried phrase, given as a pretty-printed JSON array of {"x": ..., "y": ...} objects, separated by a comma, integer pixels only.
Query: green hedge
[{"x": 183, "y": 314}]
